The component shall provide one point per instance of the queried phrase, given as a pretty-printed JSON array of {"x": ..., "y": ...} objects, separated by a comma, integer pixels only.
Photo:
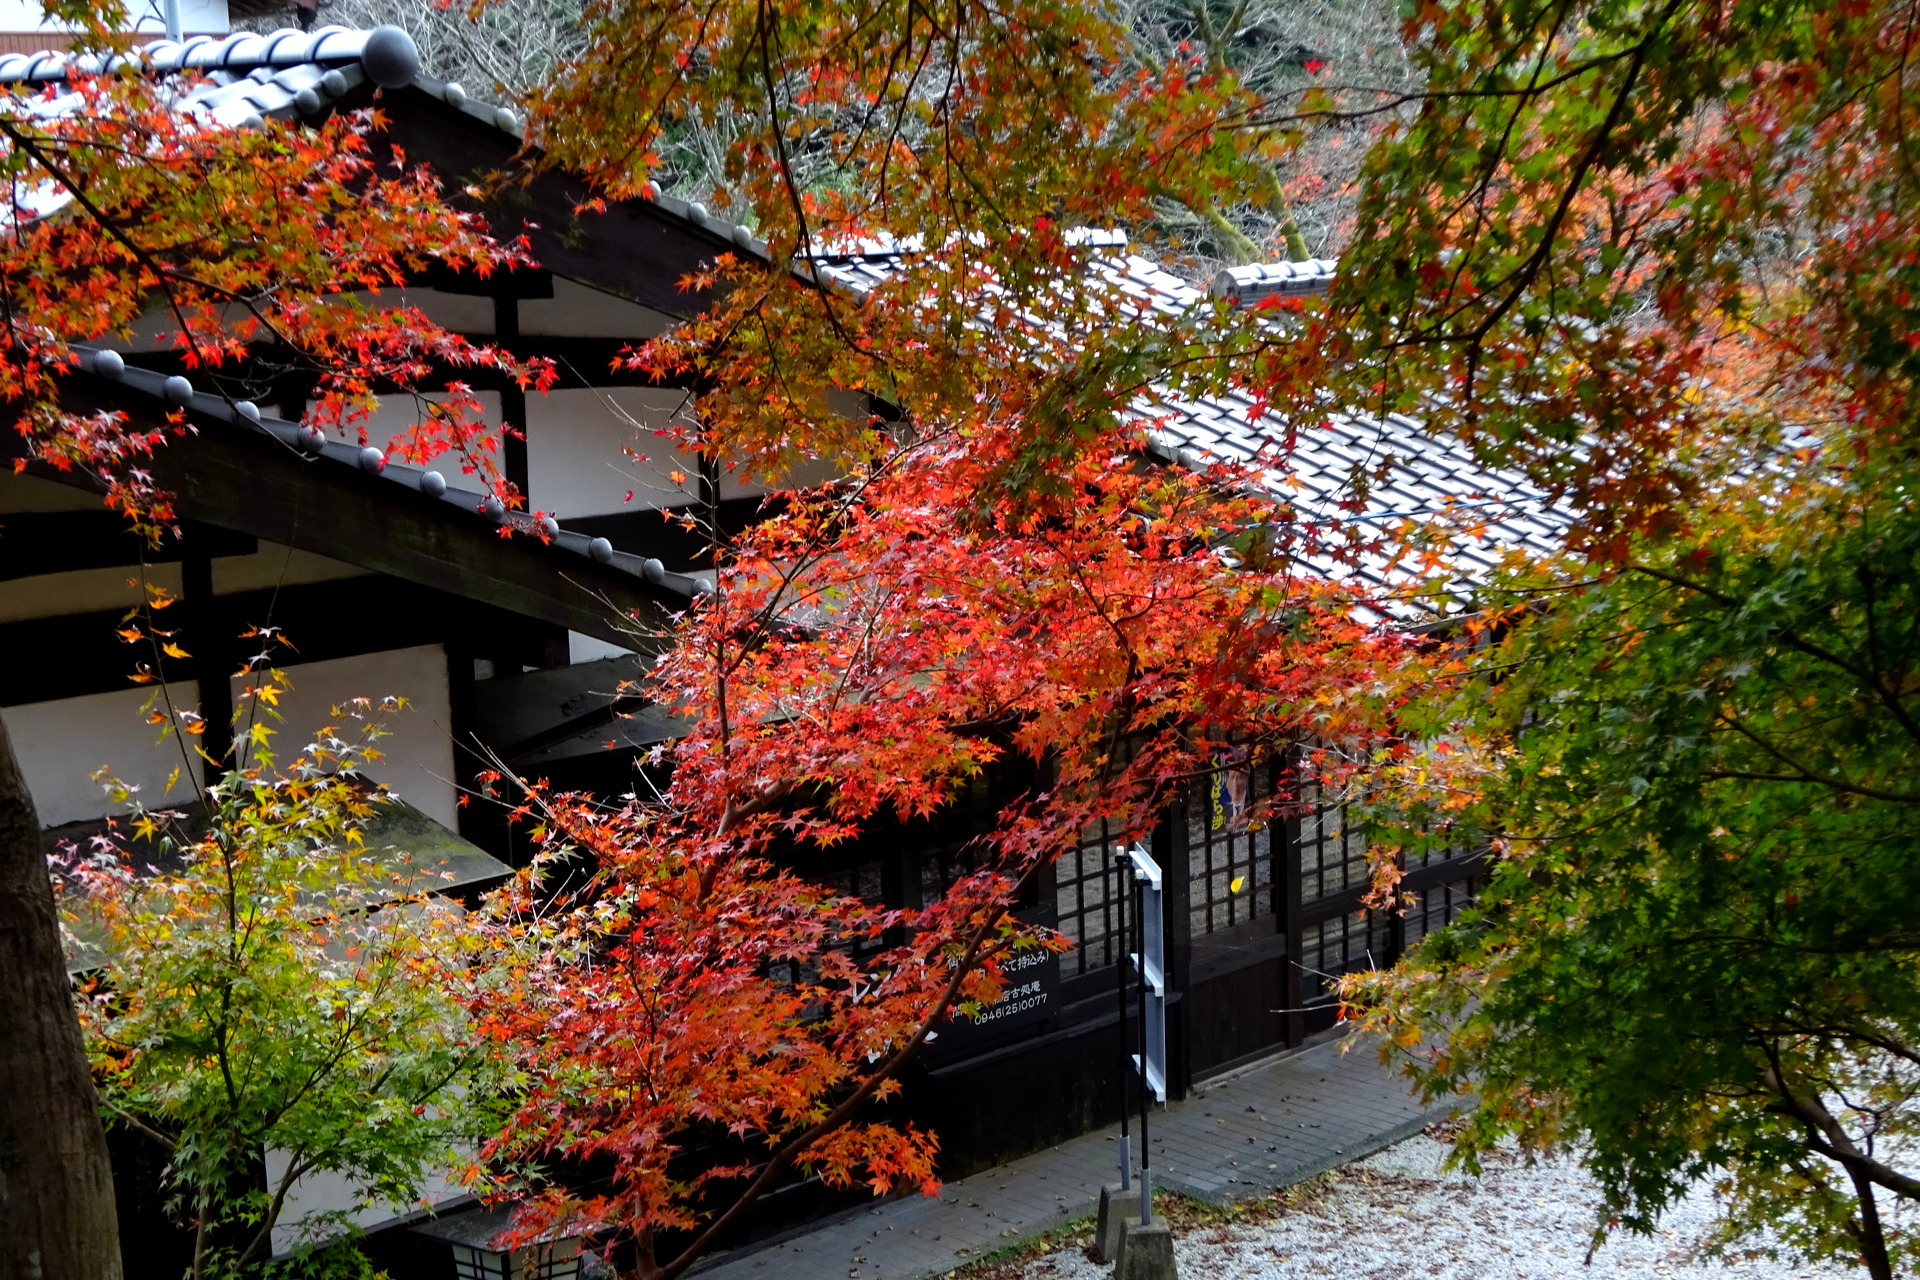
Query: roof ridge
[
  {"x": 177, "y": 391},
  {"x": 1254, "y": 281},
  {"x": 387, "y": 54}
]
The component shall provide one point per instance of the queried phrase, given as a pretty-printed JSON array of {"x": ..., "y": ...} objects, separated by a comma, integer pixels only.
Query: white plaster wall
[
  {"x": 574, "y": 311},
  {"x": 847, "y": 404},
  {"x": 579, "y": 311},
  {"x": 60, "y": 743},
  {"x": 583, "y": 648},
  {"x": 34, "y": 493},
  {"x": 418, "y": 753},
  {"x": 578, "y": 459},
  {"x": 812, "y": 472},
  {"x": 458, "y": 312},
  {"x": 53, "y": 595},
  {"x": 324, "y": 1191},
  {"x": 397, "y": 415},
  {"x": 274, "y": 565}
]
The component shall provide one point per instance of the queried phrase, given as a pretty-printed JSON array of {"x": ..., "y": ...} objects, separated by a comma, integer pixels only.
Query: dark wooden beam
[
  {"x": 662, "y": 532},
  {"x": 77, "y": 654},
  {"x": 526, "y": 282},
  {"x": 211, "y": 637},
  {"x": 1293, "y": 925},
  {"x": 632, "y": 248},
  {"x": 1418, "y": 880},
  {"x": 36, "y": 542},
  {"x": 248, "y": 481},
  {"x": 578, "y": 363}
]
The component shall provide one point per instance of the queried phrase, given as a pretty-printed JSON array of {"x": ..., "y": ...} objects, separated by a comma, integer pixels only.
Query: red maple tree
[
  {"x": 999, "y": 572},
  {"x": 127, "y": 207},
  {"x": 866, "y": 652},
  {"x": 237, "y": 241}
]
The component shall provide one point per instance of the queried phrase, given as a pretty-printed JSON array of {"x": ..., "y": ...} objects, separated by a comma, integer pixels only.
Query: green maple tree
[
  {"x": 265, "y": 982},
  {"x": 1660, "y": 260}
]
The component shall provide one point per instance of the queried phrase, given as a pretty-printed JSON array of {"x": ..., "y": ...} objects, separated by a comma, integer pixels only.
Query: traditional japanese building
[{"x": 394, "y": 578}]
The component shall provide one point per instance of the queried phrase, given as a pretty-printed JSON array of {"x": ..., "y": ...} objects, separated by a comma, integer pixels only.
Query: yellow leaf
[
  {"x": 173, "y": 650},
  {"x": 1237, "y": 882}
]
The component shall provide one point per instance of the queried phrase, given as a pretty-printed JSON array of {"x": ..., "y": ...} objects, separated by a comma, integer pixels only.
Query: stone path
[{"x": 1272, "y": 1126}]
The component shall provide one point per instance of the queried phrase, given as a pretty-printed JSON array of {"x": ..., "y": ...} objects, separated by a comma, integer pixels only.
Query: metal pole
[
  {"x": 170, "y": 17},
  {"x": 1120, "y": 991},
  {"x": 1146, "y": 1152}
]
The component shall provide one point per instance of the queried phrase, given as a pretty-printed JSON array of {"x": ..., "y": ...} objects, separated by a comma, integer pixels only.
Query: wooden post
[
  {"x": 473, "y": 818},
  {"x": 1397, "y": 921},
  {"x": 208, "y": 641},
  {"x": 294, "y": 393},
  {"x": 709, "y": 499},
  {"x": 1288, "y": 874}
]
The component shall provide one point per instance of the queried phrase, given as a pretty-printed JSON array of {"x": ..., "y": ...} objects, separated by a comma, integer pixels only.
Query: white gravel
[{"x": 1396, "y": 1216}]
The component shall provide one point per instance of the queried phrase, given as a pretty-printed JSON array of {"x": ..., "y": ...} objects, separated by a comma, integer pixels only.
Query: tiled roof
[
  {"x": 483, "y": 509},
  {"x": 1273, "y": 280},
  {"x": 1475, "y": 514},
  {"x": 1413, "y": 480},
  {"x": 388, "y": 49},
  {"x": 240, "y": 81},
  {"x": 243, "y": 78}
]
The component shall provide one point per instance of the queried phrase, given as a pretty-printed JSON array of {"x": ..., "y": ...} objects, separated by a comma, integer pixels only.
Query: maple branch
[
  {"x": 148, "y": 1131},
  {"x": 1888, "y": 697},
  {"x": 1801, "y": 772},
  {"x": 33, "y": 148},
  {"x": 1516, "y": 282},
  {"x": 1496, "y": 154},
  {"x": 1834, "y": 784},
  {"x": 296, "y": 1168},
  {"x": 791, "y": 1150},
  {"x": 1388, "y": 101},
  {"x": 803, "y": 236},
  {"x": 1826, "y": 1135}
]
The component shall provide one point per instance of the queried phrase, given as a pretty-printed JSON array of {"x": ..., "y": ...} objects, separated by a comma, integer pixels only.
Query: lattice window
[
  {"x": 973, "y": 811},
  {"x": 863, "y": 881},
  {"x": 1230, "y": 850},
  {"x": 1441, "y": 905},
  {"x": 1333, "y": 851},
  {"x": 1088, "y": 889},
  {"x": 1342, "y": 945}
]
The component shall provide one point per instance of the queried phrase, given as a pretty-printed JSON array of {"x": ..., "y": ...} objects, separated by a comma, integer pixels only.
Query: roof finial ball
[{"x": 391, "y": 58}]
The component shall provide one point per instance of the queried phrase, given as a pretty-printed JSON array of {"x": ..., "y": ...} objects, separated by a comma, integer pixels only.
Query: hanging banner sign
[{"x": 1030, "y": 993}]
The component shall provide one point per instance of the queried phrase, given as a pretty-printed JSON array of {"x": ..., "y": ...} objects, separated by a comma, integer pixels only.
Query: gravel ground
[{"x": 1396, "y": 1216}]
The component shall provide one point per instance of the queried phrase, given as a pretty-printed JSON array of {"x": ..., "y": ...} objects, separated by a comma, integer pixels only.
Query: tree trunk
[
  {"x": 57, "y": 1218},
  {"x": 1868, "y": 1232}
]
